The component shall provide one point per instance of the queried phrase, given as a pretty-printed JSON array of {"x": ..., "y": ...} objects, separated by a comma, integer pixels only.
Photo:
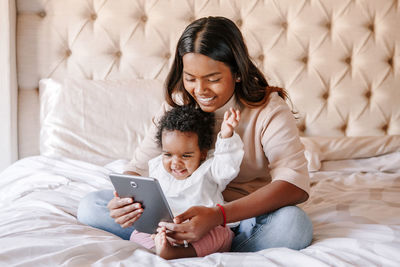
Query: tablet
[{"x": 148, "y": 192}]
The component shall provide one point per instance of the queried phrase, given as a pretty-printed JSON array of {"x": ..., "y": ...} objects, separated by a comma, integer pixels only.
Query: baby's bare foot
[{"x": 163, "y": 248}]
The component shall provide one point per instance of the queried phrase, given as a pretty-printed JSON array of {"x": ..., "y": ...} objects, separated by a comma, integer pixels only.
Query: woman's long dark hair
[{"x": 220, "y": 39}]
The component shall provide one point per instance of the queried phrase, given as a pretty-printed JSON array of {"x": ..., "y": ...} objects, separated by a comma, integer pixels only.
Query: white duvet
[{"x": 354, "y": 206}]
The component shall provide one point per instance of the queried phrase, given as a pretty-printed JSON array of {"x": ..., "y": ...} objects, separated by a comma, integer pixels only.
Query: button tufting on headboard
[
  {"x": 337, "y": 59},
  {"x": 385, "y": 128},
  {"x": 390, "y": 62},
  {"x": 368, "y": 95},
  {"x": 325, "y": 95},
  {"x": 328, "y": 25},
  {"x": 42, "y": 14},
  {"x": 343, "y": 128}
]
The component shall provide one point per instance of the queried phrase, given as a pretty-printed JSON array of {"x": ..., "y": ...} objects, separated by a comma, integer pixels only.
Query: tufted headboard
[{"x": 338, "y": 59}]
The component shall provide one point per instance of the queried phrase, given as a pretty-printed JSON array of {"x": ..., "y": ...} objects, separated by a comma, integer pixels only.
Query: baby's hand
[{"x": 231, "y": 120}]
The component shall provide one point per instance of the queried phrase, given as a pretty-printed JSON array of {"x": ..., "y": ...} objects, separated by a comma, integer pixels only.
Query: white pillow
[
  {"x": 318, "y": 148},
  {"x": 96, "y": 121},
  {"x": 312, "y": 153}
]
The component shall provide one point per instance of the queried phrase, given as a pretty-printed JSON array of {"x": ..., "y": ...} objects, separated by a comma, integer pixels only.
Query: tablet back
[{"x": 148, "y": 192}]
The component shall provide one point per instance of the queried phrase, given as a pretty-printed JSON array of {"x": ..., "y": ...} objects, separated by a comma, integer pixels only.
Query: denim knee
[
  {"x": 93, "y": 211},
  {"x": 92, "y": 206},
  {"x": 288, "y": 227},
  {"x": 294, "y": 227}
]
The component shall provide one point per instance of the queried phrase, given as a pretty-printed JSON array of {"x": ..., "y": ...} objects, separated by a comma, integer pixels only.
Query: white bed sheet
[{"x": 354, "y": 206}]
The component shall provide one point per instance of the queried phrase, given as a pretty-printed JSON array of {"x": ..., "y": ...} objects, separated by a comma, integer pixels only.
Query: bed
[{"x": 82, "y": 80}]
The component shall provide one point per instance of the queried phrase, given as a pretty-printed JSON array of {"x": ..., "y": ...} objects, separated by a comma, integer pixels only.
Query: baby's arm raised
[
  {"x": 231, "y": 120},
  {"x": 228, "y": 152}
]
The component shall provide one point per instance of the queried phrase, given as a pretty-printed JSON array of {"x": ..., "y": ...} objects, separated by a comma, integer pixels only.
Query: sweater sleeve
[
  {"x": 227, "y": 158},
  {"x": 148, "y": 148},
  {"x": 282, "y": 146}
]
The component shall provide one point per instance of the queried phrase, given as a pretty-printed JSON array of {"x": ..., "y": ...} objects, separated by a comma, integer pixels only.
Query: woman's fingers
[
  {"x": 132, "y": 209},
  {"x": 131, "y": 221},
  {"x": 124, "y": 211},
  {"x": 187, "y": 215},
  {"x": 161, "y": 229},
  {"x": 191, "y": 225},
  {"x": 178, "y": 232},
  {"x": 178, "y": 237},
  {"x": 128, "y": 219},
  {"x": 172, "y": 226},
  {"x": 118, "y": 202},
  {"x": 178, "y": 225}
]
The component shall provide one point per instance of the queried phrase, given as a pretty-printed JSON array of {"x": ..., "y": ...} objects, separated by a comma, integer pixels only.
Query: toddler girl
[{"x": 185, "y": 134}]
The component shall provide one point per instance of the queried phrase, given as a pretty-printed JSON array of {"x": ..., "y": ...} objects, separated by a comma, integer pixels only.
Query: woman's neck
[{"x": 219, "y": 113}]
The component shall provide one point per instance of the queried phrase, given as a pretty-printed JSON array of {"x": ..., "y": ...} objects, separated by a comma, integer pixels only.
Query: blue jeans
[{"x": 286, "y": 227}]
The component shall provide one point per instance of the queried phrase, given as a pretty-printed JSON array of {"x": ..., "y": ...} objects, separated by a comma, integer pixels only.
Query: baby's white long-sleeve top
[{"x": 205, "y": 185}]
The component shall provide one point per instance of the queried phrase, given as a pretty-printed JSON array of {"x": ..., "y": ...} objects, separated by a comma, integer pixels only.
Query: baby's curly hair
[{"x": 188, "y": 119}]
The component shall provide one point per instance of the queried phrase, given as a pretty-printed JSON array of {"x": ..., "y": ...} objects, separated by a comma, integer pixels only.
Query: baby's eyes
[{"x": 168, "y": 155}]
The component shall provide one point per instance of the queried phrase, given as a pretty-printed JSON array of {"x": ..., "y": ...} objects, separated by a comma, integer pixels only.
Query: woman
[{"x": 212, "y": 69}]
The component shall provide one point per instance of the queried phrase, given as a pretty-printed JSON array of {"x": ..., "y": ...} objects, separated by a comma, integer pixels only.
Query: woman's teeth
[{"x": 205, "y": 99}]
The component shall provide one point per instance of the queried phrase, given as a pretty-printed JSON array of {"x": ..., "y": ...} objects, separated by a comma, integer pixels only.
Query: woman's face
[
  {"x": 208, "y": 81},
  {"x": 181, "y": 154}
]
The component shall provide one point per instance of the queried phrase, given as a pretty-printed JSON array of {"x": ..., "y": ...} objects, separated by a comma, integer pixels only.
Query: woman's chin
[{"x": 208, "y": 108}]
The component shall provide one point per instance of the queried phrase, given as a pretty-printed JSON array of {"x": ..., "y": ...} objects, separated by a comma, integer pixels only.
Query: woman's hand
[
  {"x": 124, "y": 210},
  {"x": 193, "y": 224}
]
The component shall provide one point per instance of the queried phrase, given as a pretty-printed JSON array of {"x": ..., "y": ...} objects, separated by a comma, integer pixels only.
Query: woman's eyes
[{"x": 209, "y": 80}]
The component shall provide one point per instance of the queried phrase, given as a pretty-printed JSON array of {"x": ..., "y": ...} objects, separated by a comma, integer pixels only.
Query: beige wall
[{"x": 8, "y": 85}]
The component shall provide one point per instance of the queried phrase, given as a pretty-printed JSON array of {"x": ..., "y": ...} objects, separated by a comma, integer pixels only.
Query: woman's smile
[{"x": 206, "y": 101}]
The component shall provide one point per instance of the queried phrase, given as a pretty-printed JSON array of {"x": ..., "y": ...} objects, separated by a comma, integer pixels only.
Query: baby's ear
[{"x": 203, "y": 154}]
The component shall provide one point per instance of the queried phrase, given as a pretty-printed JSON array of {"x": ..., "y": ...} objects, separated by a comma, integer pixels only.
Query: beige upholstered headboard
[{"x": 339, "y": 59}]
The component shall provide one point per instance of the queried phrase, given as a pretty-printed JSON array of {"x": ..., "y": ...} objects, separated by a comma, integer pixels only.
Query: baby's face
[{"x": 181, "y": 154}]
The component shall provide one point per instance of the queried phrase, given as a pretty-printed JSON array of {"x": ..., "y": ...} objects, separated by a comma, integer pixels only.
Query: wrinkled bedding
[{"x": 354, "y": 206}]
